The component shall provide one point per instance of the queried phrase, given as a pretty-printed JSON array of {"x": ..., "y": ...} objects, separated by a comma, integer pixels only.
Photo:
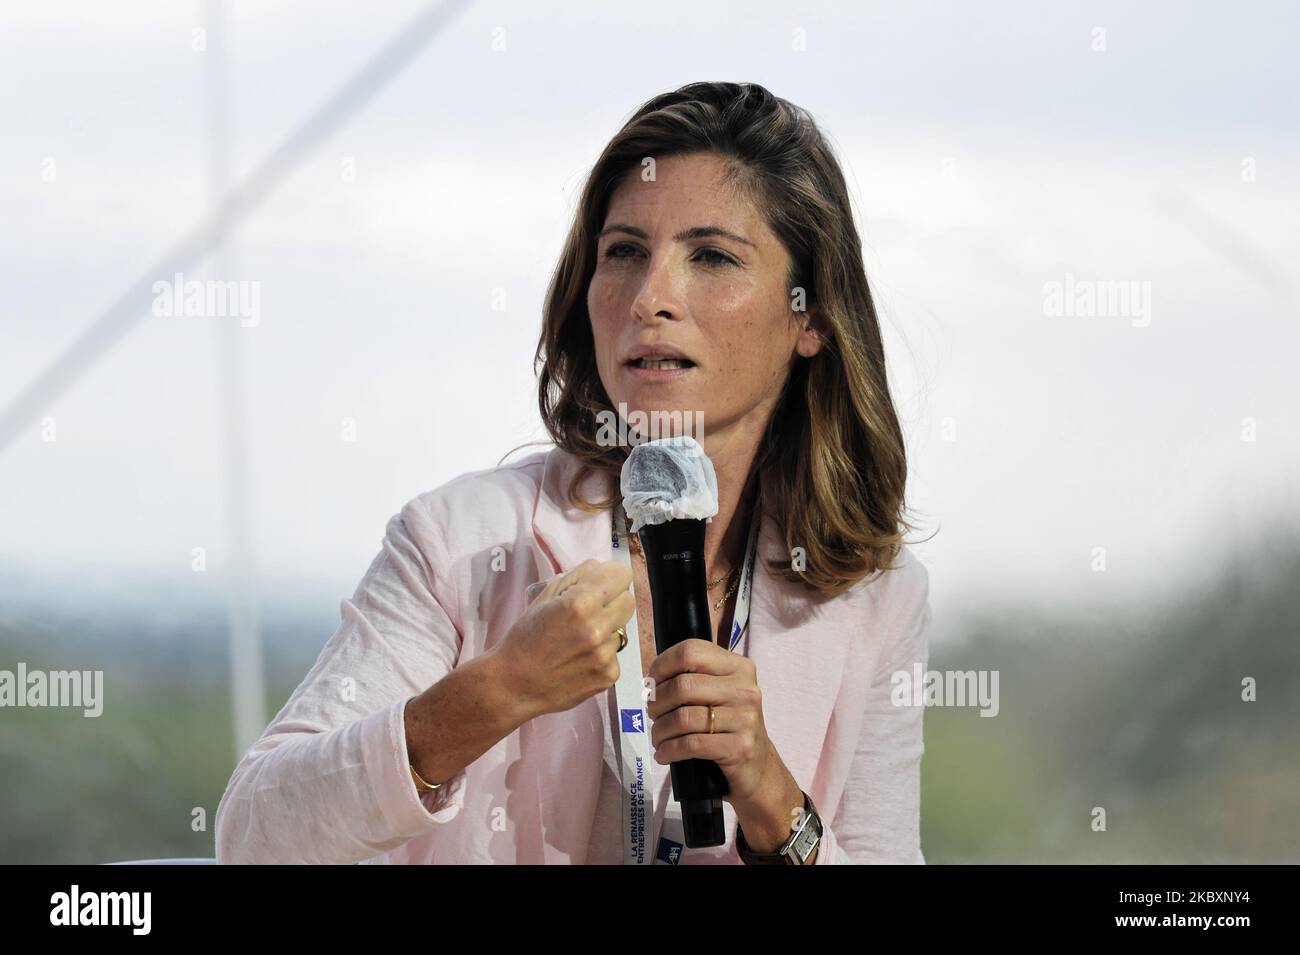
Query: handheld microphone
[{"x": 669, "y": 492}]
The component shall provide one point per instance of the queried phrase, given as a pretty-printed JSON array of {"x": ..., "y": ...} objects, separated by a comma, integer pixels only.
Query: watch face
[
  {"x": 810, "y": 832},
  {"x": 806, "y": 843}
]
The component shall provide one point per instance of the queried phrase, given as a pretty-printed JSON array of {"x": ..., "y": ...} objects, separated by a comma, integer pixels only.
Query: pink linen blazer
[{"x": 328, "y": 782}]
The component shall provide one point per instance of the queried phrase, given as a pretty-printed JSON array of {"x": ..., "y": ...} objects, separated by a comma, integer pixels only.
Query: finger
[
  {"x": 693, "y": 718},
  {"x": 690, "y": 689},
  {"x": 720, "y": 747},
  {"x": 541, "y": 590},
  {"x": 692, "y": 656},
  {"x": 604, "y": 582},
  {"x": 560, "y": 584},
  {"x": 617, "y": 612}
]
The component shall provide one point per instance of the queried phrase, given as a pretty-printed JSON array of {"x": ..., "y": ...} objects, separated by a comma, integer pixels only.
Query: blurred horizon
[{"x": 1231, "y": 544}]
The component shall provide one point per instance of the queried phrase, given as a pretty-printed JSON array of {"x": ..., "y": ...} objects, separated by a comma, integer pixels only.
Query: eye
[
  {"x": 612, "y": 251},
  {"x": 717, "y": 258},
  {"x": 626, "y": 250}
]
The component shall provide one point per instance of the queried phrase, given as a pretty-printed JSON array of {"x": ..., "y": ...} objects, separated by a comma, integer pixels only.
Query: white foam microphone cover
[{"x": 668, "y": 479}]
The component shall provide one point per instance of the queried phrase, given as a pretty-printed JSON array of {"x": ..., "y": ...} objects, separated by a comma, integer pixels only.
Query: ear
[{"x": 812, "y": 333}]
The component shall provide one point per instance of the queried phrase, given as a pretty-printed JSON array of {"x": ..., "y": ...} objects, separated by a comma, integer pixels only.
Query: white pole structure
[
  {"x": 235, "y": 205},
  {"x": 136, "y": 301},
  {"x": 247, "y": 668}
]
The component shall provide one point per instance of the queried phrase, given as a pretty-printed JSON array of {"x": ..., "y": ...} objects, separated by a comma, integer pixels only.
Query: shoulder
[
  {"x": 484, "y": 489},
  {"x": 478, "y": 505},
  {"x": 898, "y": 597}
]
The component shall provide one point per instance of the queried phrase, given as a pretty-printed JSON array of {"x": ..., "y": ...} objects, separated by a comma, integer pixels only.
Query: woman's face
[{"x": 686, "y": 268}]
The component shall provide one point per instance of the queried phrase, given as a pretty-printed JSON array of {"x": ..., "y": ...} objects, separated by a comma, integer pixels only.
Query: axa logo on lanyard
[{"x": 634, "y": 742}]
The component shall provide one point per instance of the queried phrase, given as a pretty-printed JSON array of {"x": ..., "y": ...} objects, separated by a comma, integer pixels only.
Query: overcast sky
[{"x": 992, "y": 149}]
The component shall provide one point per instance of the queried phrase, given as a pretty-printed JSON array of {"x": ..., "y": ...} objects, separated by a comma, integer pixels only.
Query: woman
[{"x": 714, "y": 270}]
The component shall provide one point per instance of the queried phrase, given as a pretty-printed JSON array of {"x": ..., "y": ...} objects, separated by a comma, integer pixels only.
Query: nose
[{"x": 659, "y": 297}]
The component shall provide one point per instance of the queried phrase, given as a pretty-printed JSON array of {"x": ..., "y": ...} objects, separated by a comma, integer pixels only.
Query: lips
[
  {"x": 658, "y": 357},
  {"x": 662, "y": 364},
  {"x": 649, "y": 370}
]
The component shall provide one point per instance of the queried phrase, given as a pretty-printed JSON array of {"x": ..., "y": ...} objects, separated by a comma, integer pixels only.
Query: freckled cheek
[
  {"x": 606, "y": 291},
  {"x": 732, "y": 300},
  {"x": 748, "y": 356},
  {"x": 602, "y": 306},
  {"x": 740, "y": 338}
]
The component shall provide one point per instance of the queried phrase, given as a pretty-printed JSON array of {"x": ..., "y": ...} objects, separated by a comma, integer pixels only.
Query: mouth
[
  {"x": 658, "y": 364},
  {"x": 655, "y": 363}
]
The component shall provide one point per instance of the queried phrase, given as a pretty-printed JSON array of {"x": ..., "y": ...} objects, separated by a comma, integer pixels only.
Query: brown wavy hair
[{"x": 832, "y": 464}]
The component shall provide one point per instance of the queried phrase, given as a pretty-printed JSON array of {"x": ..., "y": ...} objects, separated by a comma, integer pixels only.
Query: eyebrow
[{"x": 695, "y": 232}]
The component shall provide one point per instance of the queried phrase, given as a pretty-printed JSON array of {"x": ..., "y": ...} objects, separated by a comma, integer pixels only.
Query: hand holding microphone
[
  {"x": 669, "y": 492},
  {"x": 707, "y": 705}
]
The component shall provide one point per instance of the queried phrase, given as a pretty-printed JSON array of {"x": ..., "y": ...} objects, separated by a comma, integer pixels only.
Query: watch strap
[{"x": 804, "y": 837}]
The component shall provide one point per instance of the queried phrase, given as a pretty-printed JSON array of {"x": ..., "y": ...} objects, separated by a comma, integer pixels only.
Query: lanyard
[{"x": 634, "y": 741}]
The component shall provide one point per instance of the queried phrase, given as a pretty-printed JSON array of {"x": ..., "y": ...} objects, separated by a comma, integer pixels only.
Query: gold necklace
[
  {"x": 721, "y": 580},
  {"x": 730, "y": 590},
  {"x": 732, "y": 575}
]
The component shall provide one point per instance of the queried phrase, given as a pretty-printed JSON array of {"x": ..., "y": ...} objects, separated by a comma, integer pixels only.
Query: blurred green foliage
[{"x": 1139, "y": 713}]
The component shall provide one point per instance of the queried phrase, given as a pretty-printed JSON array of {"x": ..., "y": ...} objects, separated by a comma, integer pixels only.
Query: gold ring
[
  {"x": 711, "y": 719},
  {"x": 622, "y": 638}
]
